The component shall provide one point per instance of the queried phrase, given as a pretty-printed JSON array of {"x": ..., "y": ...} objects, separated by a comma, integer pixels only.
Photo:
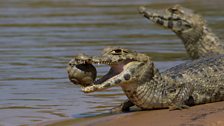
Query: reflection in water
[{"x": 39, "y": 37}]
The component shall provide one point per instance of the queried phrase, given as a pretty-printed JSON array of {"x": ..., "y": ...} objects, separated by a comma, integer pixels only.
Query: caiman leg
[
  {"x": 183, "y": 98},
  {"x": 124, "y": 107}
]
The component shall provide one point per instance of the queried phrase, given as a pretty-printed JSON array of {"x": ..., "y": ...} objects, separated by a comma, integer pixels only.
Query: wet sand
[{"x": 211, "y": 114}]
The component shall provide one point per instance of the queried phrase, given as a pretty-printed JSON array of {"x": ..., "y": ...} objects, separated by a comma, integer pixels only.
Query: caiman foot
[
  {"x": 124, "y": 107},
  {"x": 119, "y": 109},
  {"x": 178, "y": 107}
]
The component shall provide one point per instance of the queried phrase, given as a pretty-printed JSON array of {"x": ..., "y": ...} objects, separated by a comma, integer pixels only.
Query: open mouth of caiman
[{"x": 81, "y": 70}]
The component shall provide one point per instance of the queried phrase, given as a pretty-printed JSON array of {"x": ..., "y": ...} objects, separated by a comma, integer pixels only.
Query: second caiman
[{"x": 190, "y": 27}]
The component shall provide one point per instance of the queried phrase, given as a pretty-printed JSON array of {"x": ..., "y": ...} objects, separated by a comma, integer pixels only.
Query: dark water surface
[{"x": 39, "y": 37}]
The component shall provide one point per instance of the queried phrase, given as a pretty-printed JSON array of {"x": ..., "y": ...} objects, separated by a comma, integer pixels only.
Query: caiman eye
[
  {"x": 175, "y": 10},
  {"x": 116, "y": 52}
]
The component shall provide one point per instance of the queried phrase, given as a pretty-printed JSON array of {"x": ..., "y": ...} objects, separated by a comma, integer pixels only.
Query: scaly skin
[
  {"x": 190, "y": 27},
  {"x": 195, "y": 82}
]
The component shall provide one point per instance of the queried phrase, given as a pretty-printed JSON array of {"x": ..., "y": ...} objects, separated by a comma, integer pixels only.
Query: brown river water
[{"x": 39, "y": 37}]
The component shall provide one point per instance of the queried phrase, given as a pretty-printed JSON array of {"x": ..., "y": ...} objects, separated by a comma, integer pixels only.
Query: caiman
[
  {"x": 195, "y": 82},
  {"x": 190, "y": 27}
]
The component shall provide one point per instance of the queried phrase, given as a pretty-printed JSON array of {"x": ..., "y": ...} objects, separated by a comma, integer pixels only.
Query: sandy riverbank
[{"x": 202, "y": 115}]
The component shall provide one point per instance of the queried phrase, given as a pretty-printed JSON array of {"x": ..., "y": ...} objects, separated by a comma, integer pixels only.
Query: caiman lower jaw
[{"x": 115, "y": 69}]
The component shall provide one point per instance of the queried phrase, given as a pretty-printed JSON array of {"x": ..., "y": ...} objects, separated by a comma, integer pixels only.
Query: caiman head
[
  {"x": 120, "y": 61},
  {"x": 182, "y": 21}
]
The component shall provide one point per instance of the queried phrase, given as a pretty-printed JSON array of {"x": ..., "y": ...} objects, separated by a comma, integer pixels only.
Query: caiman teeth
[
  {"x": 78, "y": 61},
  {"x": 101, "y": 62},
  {"x": 90, "y": 61}
]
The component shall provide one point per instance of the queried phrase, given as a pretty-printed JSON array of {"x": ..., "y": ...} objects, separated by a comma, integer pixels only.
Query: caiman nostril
[
  {"x": 70, "y": 64},
  {"x": 141, "y": 9}
]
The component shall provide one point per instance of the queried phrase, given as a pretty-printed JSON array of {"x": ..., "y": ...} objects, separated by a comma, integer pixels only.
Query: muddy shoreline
[{"x": 211, "y": 114}]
